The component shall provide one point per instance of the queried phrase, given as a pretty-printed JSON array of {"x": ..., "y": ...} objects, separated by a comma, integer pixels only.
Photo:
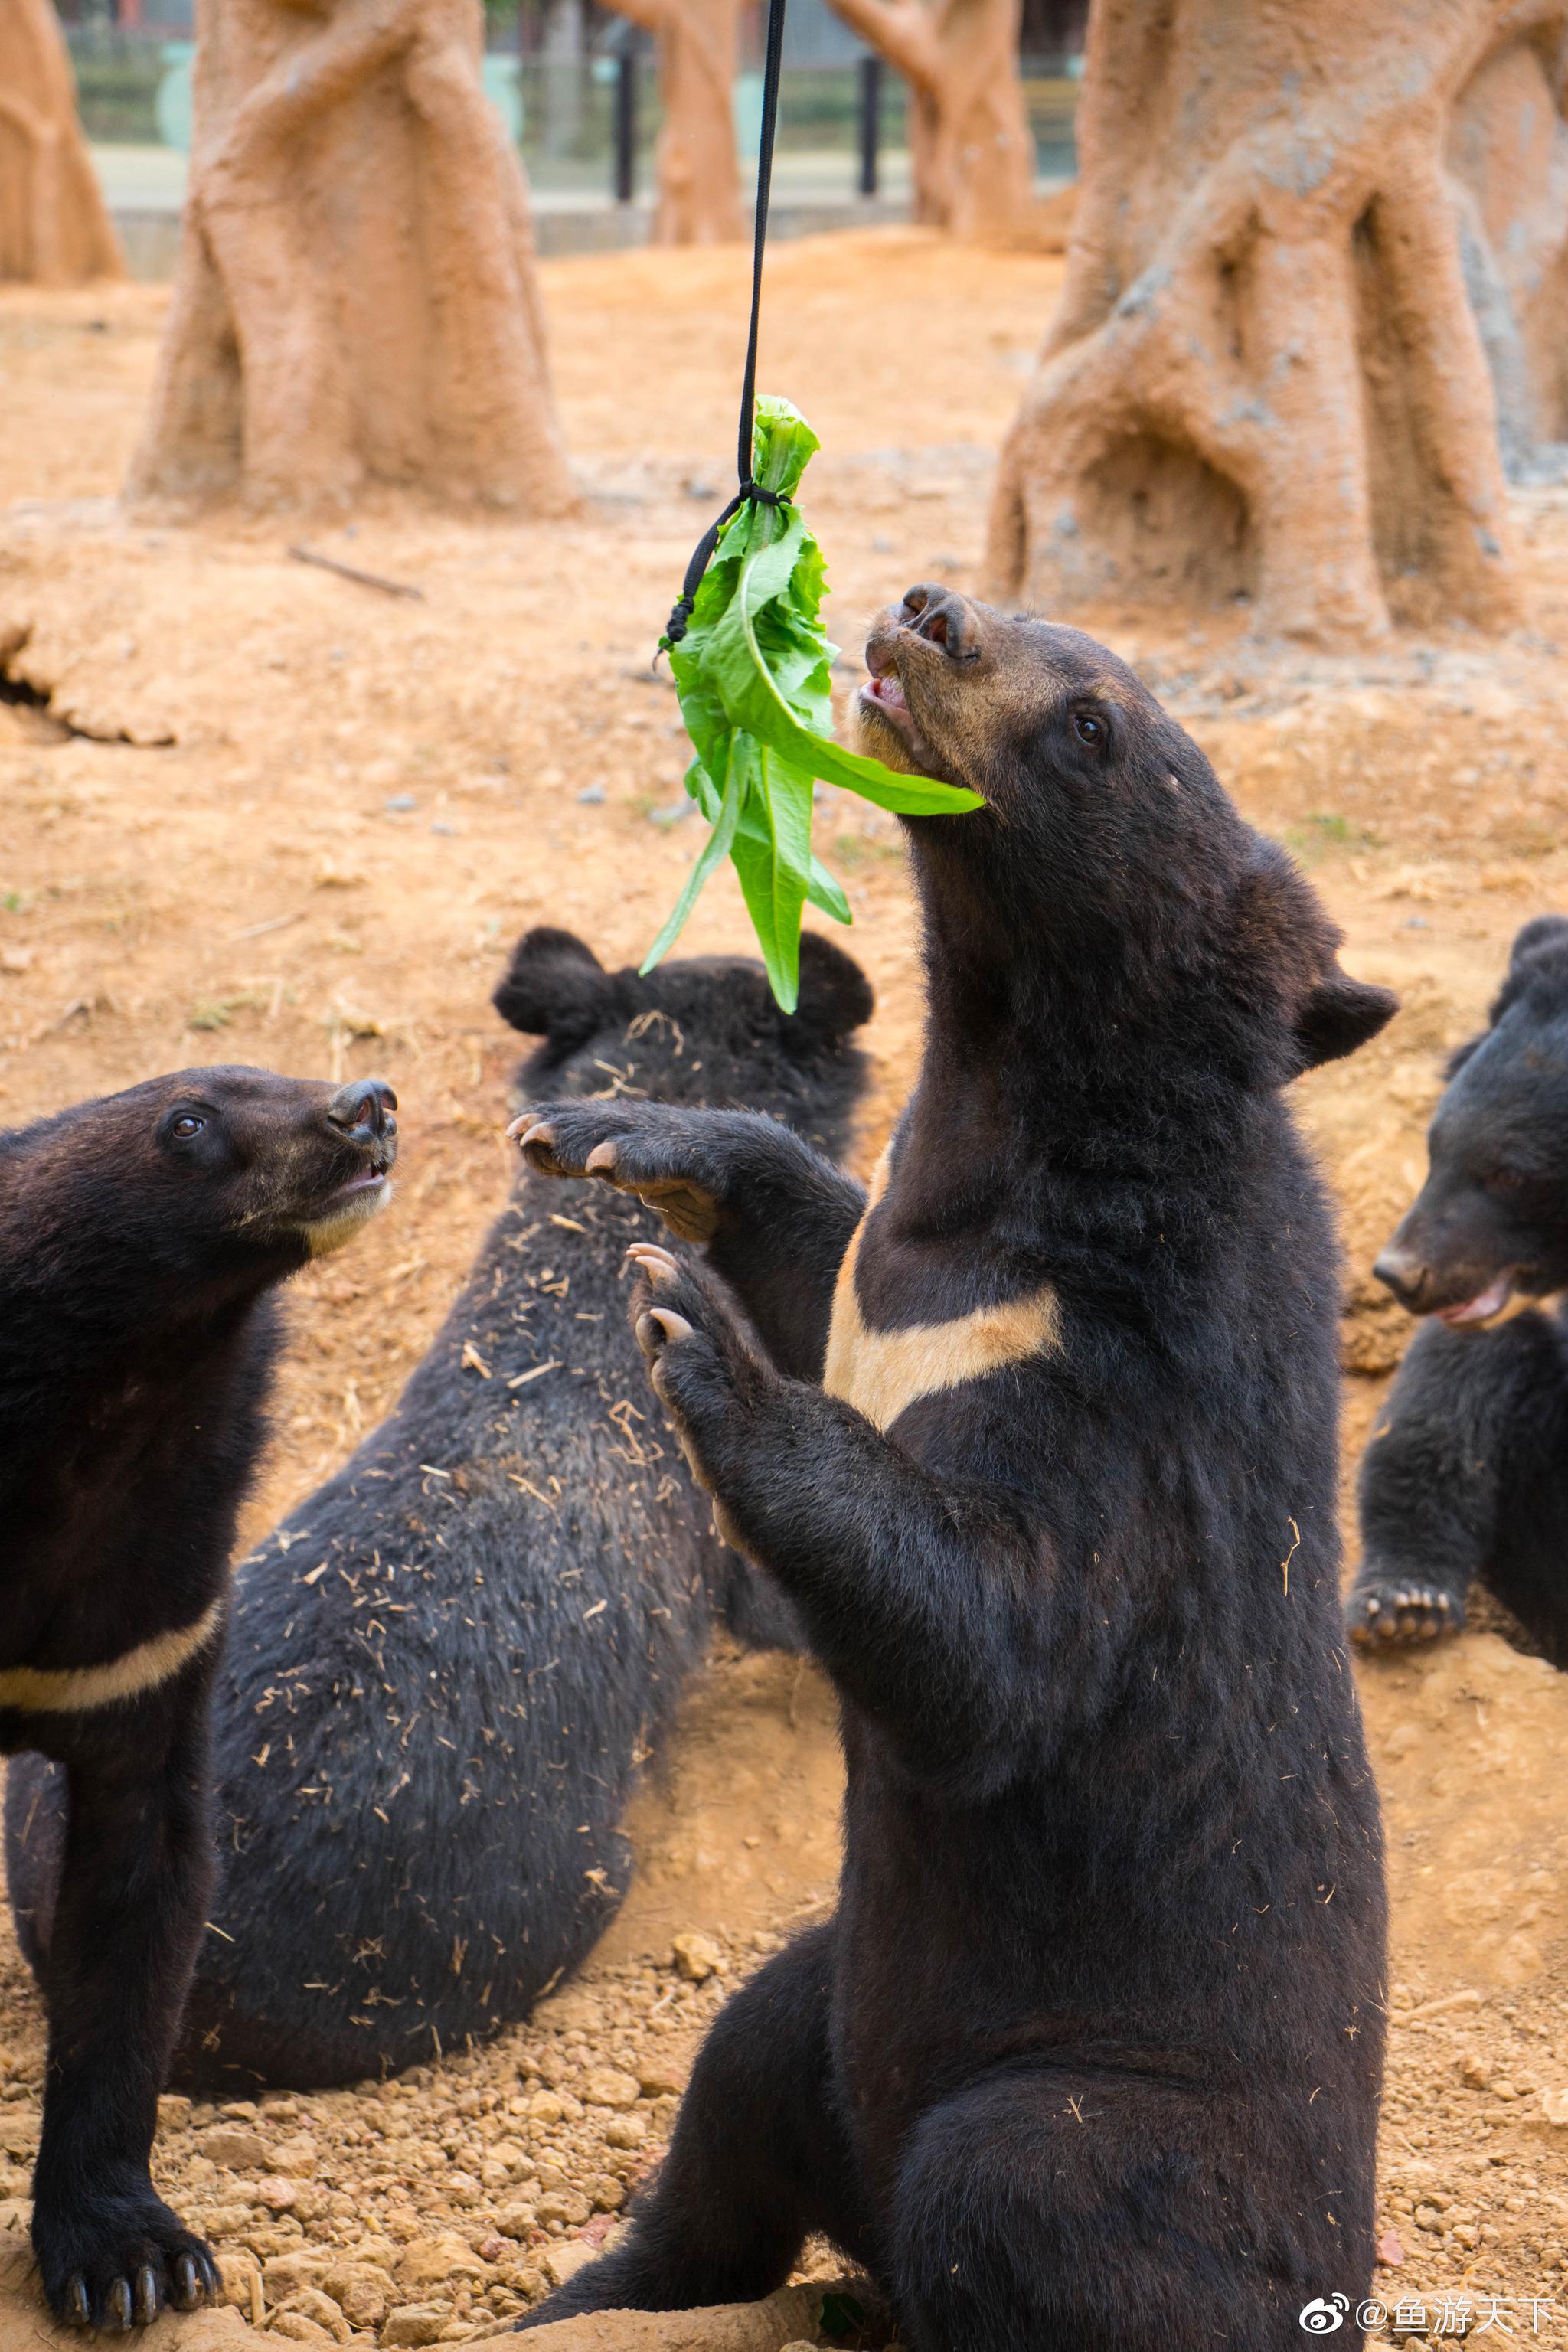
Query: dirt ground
[{"x": 268, "y": 815}]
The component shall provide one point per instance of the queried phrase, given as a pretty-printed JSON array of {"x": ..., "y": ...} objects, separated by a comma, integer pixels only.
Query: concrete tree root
[
  {"x": 1265, "y": 380},
  {"x": 971, "y": 153},
  {"x": 1508, "y": 164},
  {"x": 698, "y": 176},
  {"x": 54, "y": 229},
  {"x": 356, "y": 300}
]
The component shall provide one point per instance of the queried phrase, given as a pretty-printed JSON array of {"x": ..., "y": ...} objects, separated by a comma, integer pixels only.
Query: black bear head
[
  {"x": 701, "y": 1030},
  {"x": 1107, "y": 864},
  {"x": 1489, "y": 1231},
  {"x": 146, "y": 1207}
]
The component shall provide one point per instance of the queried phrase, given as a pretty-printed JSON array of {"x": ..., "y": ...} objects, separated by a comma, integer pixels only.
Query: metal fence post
[
  {"x": 626, "y": 154},
  {"x": 871, "y": 73}
]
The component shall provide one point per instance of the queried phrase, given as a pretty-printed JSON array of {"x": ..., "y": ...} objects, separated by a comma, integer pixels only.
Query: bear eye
[
  {"x": 1089, "y": 729},
  {"x": 187, "y": 1125},
  {"x": 1506, "y": 1180}
]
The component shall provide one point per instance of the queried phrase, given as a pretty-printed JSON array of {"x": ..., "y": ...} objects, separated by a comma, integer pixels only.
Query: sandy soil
[{"x": 272, "y": 816}]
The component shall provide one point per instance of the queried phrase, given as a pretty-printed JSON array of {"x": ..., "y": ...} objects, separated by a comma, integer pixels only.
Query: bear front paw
[
  {"x": 1392, "y": 1609},
  {"x": 641, "y": 1149},
  {"x": 114, "y": 2262},
  {"x": 703, "y": 1369}
]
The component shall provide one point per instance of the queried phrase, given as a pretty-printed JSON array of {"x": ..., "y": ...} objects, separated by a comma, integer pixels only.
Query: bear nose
[
  {"x": 1402, "y": 1270},
  {"x": 943, "y": 619},
  {"x": 363, "y": 1108}
]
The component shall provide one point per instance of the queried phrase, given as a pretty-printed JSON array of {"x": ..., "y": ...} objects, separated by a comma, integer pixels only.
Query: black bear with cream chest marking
[
  {"x": 1041, "y": 1442},
  {"x": 446, "y": 1667},
  {"x": 140, "y": 1239}
]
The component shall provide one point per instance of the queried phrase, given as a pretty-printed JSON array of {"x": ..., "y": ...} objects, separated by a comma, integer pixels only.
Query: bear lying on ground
[
  {"x": 141, "y": 1238},
  {"x": 1040, "y": 1440},
  {"x": 445, "y": 1668},
  {"x": 1466, "y": 1477}
]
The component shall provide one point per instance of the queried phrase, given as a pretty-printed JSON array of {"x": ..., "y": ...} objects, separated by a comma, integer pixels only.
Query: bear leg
[
  {"x": 35, "y": 1851},
  {"x": 127, "y": 1916},
  {"x": 1050, "y": 2211},
  {"x": 1473, "y": 1422},
  {"x": 758, "y": 2161}
]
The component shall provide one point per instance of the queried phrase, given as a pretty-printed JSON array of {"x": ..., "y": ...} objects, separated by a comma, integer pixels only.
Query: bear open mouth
[
  {"x": 336, "y": 1220},
  {"x": 882, "y": 699},
  {"x": 885, "y": 694},
  {"x": 1482, "y": 1308},
  {"x": 887, "y": 699},
  {"x": 367, "y": 1181}
]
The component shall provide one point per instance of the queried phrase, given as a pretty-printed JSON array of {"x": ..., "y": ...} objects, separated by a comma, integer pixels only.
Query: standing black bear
[
  {"x": 140, "y": 1239},
  {"x": 444, "y": 1670},
  {"x": 1466, "y": 1477},
  {"x": 1090, "y": 2054}
]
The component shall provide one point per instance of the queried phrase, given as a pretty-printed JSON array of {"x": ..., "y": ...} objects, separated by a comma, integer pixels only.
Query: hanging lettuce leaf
[{"x": 754, "y": 675}]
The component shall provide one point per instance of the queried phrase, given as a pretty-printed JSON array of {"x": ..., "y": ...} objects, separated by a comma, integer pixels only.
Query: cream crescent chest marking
[
  {"x": 881, "y": 1373},
  {"x": 76, "y": 1690}
]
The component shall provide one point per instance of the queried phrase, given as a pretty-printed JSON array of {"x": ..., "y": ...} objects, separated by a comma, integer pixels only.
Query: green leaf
[
  {"x": 753, "y": 700},
  {"x": 715, "y": 849},
  {"x": 825, "y": 892},
  {"x": 772, "y": 853},
  {"x": 754, "y": 672}
]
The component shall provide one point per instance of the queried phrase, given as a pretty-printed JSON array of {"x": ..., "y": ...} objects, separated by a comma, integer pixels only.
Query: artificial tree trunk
[
  {"x": 54, "y": 229},
  {"x": 1264, "y": 380},
  {"x": 696, "y": 171},
  {"x": 356, "y": 300},
  {"x": 971, "y": 153},
  {"x": 1507, "y": 154}
]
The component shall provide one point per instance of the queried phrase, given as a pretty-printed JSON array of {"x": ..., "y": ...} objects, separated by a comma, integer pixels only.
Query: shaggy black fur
[
  {"x": 1466, "y": 1477},
  {"x": 1090, "y": 2057},
  {"x": 445, "y": 1668},
  {"x": 140, "y": 1238}
]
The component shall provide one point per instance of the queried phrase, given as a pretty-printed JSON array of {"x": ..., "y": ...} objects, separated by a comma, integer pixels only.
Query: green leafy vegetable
[{"x": 753, "y": 676}]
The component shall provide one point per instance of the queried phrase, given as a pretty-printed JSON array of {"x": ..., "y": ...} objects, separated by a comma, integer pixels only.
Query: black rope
[{"x": 750, "y": 492}]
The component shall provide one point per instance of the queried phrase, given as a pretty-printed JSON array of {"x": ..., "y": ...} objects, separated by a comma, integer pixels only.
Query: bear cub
[
  {"x": 1464, "y": 1479},
  {"x": 140, "y": 1239}
]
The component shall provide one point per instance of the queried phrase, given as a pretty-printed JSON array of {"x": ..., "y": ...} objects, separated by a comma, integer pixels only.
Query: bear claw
[
  {"x": 658, "y": 1329},
  {"x": 656, "y": 1263},
  {"x": 1404, "y": 1612},
  {"x": 135, "y": 2297}
]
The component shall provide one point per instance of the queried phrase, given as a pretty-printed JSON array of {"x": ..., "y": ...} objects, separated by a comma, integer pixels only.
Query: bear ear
[
  {"x": 1340, "y": 1014},
  {"x": 555, "y": 987},
  {"x": 835, "y": 995},
  {"x": 1538, "y": 949},
  {"x": 1540, "y": 931}
]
